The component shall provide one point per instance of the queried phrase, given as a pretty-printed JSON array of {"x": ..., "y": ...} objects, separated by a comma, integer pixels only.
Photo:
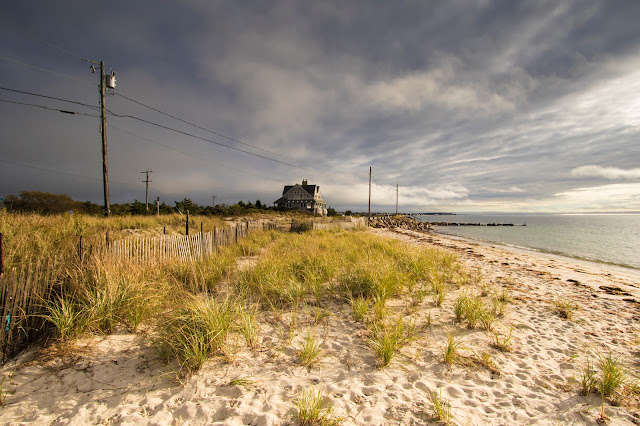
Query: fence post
[
  {"x": 201, "y": 240},
  {"x": 80, "y": 248},
  {"x": 1, "y": 254}
]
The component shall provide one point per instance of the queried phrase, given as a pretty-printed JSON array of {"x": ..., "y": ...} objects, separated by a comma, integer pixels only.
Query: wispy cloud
[
  {"x": 606, "y": 197},
  {"x": 612, "y": 173}
]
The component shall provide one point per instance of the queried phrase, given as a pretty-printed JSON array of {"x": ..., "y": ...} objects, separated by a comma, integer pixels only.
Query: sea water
[{"x": 608, "y": 238}]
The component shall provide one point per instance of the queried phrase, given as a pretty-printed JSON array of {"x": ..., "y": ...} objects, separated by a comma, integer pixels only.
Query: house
[{"x": 302, "y": 197}]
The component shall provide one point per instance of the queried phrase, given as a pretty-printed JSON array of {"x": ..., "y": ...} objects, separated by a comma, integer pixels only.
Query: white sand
[{"x": 119, "y": 379}]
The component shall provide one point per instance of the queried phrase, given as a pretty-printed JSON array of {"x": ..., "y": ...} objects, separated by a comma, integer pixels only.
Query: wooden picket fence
[
  {"x": 181, "y": 247},
  {"x": 22, "y": 298}
]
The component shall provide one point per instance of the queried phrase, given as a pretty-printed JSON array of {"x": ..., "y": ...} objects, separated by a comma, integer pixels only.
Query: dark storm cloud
[{"x": 468, "y": 105}]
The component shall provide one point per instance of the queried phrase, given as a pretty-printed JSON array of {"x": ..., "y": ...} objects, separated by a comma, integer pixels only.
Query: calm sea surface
[{"x": 605, "y": 238}]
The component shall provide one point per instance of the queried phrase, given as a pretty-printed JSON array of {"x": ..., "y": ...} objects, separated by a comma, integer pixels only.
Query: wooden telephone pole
[
  {"x": 147, "y": 190},
  {"x": 369, "y": 216},
  {"x": 103, "y": 127},
  {"x": 106, "y": 81}
]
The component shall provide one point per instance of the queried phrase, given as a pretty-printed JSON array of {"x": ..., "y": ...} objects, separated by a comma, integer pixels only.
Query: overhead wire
[
  {"x": 166, "y": 114},
  {"x": 141, "y": 103},
  {"x": 49, "y": 108},
  {"x": 59, "y": 48},
  {"x": 91, "y": 115},
  {"x": 47, "y": 70},
  {"x": 129, "y": 184},
  {"x": 190, "y": 155},
  {"x": 201, "y": 128},
  {"x": 50, "y": 97},
  {"x": 158, "y": 125},
  {"x": 213, "y": 141}
]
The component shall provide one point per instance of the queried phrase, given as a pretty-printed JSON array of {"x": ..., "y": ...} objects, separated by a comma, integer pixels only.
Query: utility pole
[
  {"x": 396, "y": 199},
  {"x": 147, "y": 190},
  {"x": 158, "y": 205},
  {"x": 105, "y": 167},
  {"x": 106, "y": 81},
  {"x": 369, "y": 216}
]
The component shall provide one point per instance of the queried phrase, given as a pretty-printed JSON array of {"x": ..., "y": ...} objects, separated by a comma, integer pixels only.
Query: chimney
[{"x": 304, "y": 182}]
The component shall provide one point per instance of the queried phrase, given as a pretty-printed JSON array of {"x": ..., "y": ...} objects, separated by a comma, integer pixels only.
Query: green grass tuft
[
  {"x": 612, "y": 374},
  {"x": 310, "y": 351},
  {"x": 315, "y": 409}
]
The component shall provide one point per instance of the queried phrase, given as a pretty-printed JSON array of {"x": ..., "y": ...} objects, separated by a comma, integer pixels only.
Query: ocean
[{"x": 606, "y": 238}]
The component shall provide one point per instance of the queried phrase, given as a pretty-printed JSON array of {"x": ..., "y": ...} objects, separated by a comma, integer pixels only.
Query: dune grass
[
  {"x": 196, "y": 330},
  {"x": 310, "y": 352},
  {"x": 450, "y": 351},
  {"x": 194, "y": 307},
  {"x": 566, "y": 308},
  {"x": 315, "y": 409},
  {"x": 441, "y": 407},
  {"x": 612, "y": 374},
  {"x": 388, "y": 337}
]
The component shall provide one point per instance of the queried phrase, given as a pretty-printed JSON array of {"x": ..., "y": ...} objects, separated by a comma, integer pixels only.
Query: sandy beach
[{"x": 121, "y": 379}]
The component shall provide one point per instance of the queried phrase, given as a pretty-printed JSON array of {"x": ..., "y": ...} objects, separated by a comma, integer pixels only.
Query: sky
[{"x": 466, "y": 106}]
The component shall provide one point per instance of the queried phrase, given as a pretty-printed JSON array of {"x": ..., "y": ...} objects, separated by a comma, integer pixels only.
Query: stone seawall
[{"x": 402, "y": 222}]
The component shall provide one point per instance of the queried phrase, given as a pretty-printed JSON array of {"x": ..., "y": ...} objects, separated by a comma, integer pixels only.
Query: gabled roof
[{"x": 311, "y": 189}]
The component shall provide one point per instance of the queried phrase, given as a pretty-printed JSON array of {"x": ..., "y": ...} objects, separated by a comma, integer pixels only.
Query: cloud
[
  {"x": 606, "y": 172},
  {"x": 437, "y": 87},
  {"x": 605, "y": 197}
]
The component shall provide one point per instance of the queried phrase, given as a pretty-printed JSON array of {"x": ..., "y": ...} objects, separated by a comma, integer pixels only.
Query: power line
[
  {"x": 47, "y": 170},
  {"x": 143, "y": 104},
  {"x": 49, "y": 97},
  {"x": 70, "y": 174},
  {"x": 48, "y": 108},
  {"x": 161, "y": 126},
  {"x": 202, "y": 128},
  {"x": 235, "y": 169},
  {"x": 59, "y": 48},
  {"x": 214, "y": 142},
  {"x": 47, "y": 70}
]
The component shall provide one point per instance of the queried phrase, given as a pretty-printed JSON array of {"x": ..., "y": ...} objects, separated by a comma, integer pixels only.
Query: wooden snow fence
[
  {"x": 182, "y": 247},
  {"x": 22, "y": 298}
]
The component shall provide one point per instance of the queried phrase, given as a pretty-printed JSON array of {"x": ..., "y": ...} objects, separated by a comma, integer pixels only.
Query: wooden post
[
  {"x": 1, "y": 254},
  {"x": 164, "y": 228},
  {"x": 103, "y": 128},
  {"x": 187, "y": 227},
  {"x": 369, "y": 216},
  {"x": 80, "y": 248},
  {"x": 201, "y": 240}
]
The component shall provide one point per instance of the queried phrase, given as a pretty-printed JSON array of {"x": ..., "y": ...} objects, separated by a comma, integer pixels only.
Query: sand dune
[{"x": 120, "y": 379}]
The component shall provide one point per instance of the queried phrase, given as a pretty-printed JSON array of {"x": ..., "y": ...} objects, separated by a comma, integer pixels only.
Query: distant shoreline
[{"x": 536, "y": 251}]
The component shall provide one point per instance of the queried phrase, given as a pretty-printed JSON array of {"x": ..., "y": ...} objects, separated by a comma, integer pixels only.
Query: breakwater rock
[
  {"x": 470, "y": 224},
  {"x": 399, "y": 222}
]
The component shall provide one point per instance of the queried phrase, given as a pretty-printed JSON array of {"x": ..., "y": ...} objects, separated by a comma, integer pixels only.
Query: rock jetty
[{"x": 402, "y": 222}]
